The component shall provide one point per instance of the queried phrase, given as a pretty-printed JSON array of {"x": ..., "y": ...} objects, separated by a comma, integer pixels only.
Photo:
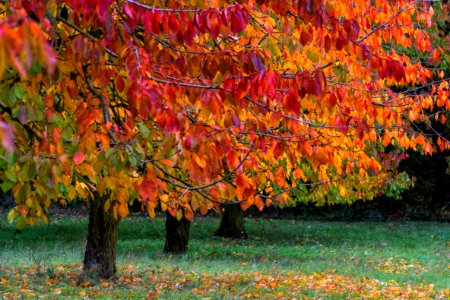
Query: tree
[{"x": 192, "y": 105}]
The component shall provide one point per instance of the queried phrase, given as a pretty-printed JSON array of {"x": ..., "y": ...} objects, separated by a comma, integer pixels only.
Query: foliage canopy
[{"x": 190, "y": 104}]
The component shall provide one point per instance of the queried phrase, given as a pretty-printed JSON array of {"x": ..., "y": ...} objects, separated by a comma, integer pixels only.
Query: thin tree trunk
[
  {"x": 100, "y": 254},
  {"x": 177, "y": 234},
  {"x": 232, "y": 222}
]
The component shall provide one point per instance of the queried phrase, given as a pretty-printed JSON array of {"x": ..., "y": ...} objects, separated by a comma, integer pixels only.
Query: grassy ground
[{"x": 281, "y": 259}]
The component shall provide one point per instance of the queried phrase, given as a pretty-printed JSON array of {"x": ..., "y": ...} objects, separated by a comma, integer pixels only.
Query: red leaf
[
  {"x": 306, "y": 37},
  {"x": 225, "y": 18},
  {"x": 147, "y": 23},
  {"x": 398, "y": 71},
  {"x": 174, "y": 25},
  {"x": 238, "y": 21},
  {"x": 79, "y": 158},
  {"x": 327, "y": 43},
  {"x": 340, "y": 43},
  {"x": 291, "y": 102},
  {"x": 271, "y": 84},
  {"x": 120, "y": 84},
  {"x": 199, "y": 22},
  {"x": 352, "y": 29},
  {"x": 321, "y": 82},
  {"x": 156, "y": 21},
  {"x": 172, "y": 123},
  {"x": 365, "y": 52},
  {"x": 308, "y": 84},
  {"x": 232, "y": 160},
  {"x": 165, "y": 23},
  {"x": 341, "y": 94},
  {"x": 278, "y": 149},
  {"x": 331, "y": 101},
  {"x": 212, "y": 23}
]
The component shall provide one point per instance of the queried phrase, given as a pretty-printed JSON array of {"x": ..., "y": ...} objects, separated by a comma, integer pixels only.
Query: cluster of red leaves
[{"x": 58, "y": 281}]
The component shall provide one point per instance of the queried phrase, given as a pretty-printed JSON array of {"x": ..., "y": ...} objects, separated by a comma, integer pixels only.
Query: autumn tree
[{"x": 188, "y": 106}]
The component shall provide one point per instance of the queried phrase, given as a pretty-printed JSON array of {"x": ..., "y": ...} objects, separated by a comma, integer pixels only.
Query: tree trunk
[
  {"x": 177, "y": 234},
  {"x": 100, "y": 254},
  {"x": 232, "y": 222}
]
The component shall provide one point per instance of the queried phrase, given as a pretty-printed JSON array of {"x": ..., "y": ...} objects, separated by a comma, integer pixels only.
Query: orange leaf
[
  {"x": 188, "y": 213},
  {"x": 259, "y": 203},
  {"x": 246, "y": 204},
  {"x": 123, "y": 210},
  {"x": 321, "y": 156}
]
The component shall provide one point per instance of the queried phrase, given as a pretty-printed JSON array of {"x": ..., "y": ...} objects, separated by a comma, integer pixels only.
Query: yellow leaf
[
  {"x": 163, "y": 206},
  {"x": 12, "y": 215},
  {"x": 165, "y": 198},
  {"x": 72, "y": 193},
  {"x": 200, "y": 162},
  {"x": 107, "y": 205},
  {"x": 179, "y": 214},
  {"x": 151, "y": 211},
  {"x": 101, "y": 186},
  {"x": 342, "y": 190},
  {"x": 122, "y": 195}
]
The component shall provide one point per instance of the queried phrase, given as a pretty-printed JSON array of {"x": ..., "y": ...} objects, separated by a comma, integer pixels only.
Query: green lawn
[{"x": 281, "y": 259}]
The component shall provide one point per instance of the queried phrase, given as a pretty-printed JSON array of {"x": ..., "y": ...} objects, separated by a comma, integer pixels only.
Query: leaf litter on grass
[
  {"x": 59, "y": 281},
  {"x": 393, "y": 265}
]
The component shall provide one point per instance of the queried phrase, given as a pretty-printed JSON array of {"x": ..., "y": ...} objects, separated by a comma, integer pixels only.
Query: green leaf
[
  {"x": 109, "y": 152},
  {"x": 12, "y": 99},
  {"x": 67, "y": 133},
  {"x": 6, "y": 186},
  {"x": 31, "y": 113},
  {"x": 11, "y": 176},
  {"x": 39, "y": 115},
  {"x": 133, "y": 161},
  {"x": 62, "y": 188},
  {"x": 57, "y": 120},
  {"x": 35, "y": 68},
  {"x": 15, "y": 111},
  {"x": 19, "y": 92},
  {"x": 21, "y": 222}
]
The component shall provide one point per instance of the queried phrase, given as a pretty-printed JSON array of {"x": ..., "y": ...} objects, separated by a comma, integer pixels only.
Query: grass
[{"x": 281, "y": 258}]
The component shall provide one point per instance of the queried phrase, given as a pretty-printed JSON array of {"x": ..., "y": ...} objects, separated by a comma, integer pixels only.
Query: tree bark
[
  {"x": 232, "y": 222},
  {"x": 177, "y": 234},
  {"x": 100, "y": 254}
]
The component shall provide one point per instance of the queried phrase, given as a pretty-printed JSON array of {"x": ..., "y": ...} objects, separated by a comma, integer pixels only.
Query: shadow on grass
[{"x": 284, "y": 232}]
